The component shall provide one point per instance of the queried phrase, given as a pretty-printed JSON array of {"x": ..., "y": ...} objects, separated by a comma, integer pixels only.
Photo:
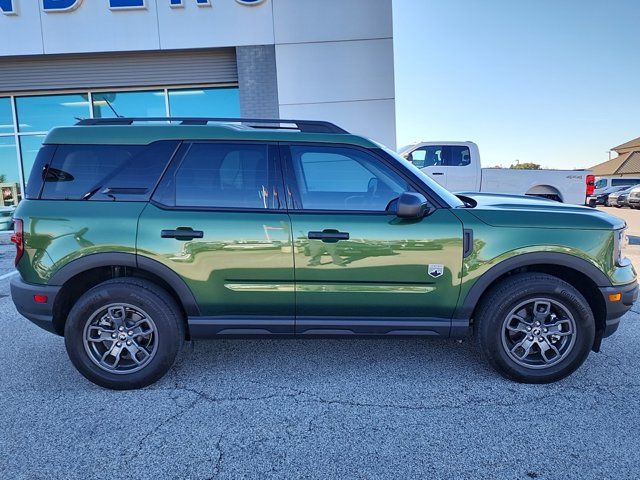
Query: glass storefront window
[
  {"x": 29, "y": 147},
  {"x": 37, "y": 114},
  {"x": 6, "y": 118},
  {"x": 8, "y": 161},
  {"x": 42, "y": 113},
  {"x": 9, "y": 177},
  {"x": 205, "y": 102},
  {"x": 129, "y": 104}
]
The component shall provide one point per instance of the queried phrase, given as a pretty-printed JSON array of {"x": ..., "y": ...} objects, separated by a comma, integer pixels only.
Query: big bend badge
[{"x": 435, "y": 270}]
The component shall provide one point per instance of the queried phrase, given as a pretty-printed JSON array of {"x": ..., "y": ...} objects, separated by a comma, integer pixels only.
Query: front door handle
[
  {"x": 329, "y": 236},
  {"x": 437, "y": 173},
  {"x": 182, "y": 233}
]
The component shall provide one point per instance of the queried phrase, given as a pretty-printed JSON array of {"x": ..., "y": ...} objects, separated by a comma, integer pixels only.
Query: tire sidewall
[
  {"x": 168, "y": 335},
  {"x": 570, "y": 299}
]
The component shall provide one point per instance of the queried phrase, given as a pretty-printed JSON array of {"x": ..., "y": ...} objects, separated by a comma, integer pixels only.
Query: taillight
[
  {"x": 591, "y": 184},
  {"x": 18, "y": 238}
]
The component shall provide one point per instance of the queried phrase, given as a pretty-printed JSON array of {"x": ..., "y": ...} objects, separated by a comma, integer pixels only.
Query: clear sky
[{"x": 555, "y": 82}]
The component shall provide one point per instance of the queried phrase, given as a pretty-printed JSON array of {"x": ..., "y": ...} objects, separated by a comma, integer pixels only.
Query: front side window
[
  {"x": 343, "y": 179},
  {"x": 223, "y": 175}
]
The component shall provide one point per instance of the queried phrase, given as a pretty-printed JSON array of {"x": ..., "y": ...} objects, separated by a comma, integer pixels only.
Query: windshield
[
  {"x": 439, "y": 190},
  {"x": 601, "y": 183},
  {"x": 405, "y": 148}
]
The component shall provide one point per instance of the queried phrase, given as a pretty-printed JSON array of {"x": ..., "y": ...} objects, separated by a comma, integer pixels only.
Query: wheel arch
[
  {"x": 82, "y": 274},
  {"x": 545, "y": 191},
  {"x": 581, "y": 274}
]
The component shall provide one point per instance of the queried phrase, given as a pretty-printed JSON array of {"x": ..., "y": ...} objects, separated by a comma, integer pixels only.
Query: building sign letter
[
  {"x": 180, "y": 3},
  {"x": 6, "y": 7},
  {"x": 126, "y": 4},
  {"x": 52, "y": 6}
]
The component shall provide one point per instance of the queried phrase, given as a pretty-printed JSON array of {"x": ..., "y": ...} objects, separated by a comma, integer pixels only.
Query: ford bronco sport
[{"x": 136, "y": 235}]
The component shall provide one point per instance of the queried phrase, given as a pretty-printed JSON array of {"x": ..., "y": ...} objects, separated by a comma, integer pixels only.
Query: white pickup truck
[{"x": 456, "y": 166}]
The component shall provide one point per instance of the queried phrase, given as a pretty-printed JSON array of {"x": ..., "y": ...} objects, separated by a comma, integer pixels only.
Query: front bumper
[
  {"x": 616, "y": 309},
  {"x": 41, "y": 314}
]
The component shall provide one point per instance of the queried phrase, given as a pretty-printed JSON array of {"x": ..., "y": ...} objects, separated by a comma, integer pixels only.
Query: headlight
[{"x": 619, "y": 243}]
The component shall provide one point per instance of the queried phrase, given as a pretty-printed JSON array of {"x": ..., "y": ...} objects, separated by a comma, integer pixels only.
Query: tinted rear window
[
  {"x": 105, "y": 172},
  {"x": 35, "y": 178}
]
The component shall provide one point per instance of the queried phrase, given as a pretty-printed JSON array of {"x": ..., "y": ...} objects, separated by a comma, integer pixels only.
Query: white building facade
[{"x": 62, "y": 60}]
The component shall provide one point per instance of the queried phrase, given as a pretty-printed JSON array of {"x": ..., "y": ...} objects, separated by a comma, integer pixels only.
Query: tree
[{"x": 525, "y": 166}]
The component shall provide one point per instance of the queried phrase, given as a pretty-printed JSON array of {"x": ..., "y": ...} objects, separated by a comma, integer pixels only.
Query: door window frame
[
  {"x": 294, "y": 203},
  {"x": 180, "y": 156}
]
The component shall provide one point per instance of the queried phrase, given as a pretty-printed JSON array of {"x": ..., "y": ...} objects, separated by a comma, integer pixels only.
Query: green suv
[{"x": 138, "y": 234}]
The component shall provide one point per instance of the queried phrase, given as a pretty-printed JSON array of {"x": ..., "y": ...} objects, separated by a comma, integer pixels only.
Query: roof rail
[{"x": 306, "y": 126}]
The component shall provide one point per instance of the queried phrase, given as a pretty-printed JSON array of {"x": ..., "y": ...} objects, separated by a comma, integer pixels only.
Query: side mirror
[{"x": 412, "y": 205}]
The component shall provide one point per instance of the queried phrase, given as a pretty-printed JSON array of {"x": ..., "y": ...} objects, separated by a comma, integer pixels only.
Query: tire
[
  {"x": 522, "y": 293},
  {"x": 152, "y": 333}
]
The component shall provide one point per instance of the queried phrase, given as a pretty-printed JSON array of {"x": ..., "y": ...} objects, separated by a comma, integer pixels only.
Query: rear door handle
[
  {"x": 329, "y": 236},
  {"x": 437, "y": 173},
  {"x": 182, "y": 233}
]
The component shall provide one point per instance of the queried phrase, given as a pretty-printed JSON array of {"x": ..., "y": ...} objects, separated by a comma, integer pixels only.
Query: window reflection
[
  {"x": 29, "y": 147},
  {"x": 9, "y": 180},
  {"x": 42, "y": 113},
  {"x": 205, "y": 102},
  {"x": 129, "y": 104},
  {"x": 6, "y": 118}
]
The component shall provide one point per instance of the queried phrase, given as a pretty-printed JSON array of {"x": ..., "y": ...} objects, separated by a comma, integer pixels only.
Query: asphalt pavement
[{"x": 305, "y": 408}]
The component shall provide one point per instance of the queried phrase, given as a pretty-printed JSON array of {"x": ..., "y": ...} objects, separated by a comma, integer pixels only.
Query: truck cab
[
  {"x": 454, "y": 165},
  {"x": 457, "y": 167}
]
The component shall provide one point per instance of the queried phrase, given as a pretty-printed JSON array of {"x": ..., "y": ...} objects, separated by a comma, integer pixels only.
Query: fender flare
[
  {"x": 466, "y": 308},
  {"x": 110, "y": 259}
]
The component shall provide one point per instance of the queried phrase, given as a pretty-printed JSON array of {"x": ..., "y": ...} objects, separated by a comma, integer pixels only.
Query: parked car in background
[
  {"x": 6, "y": 218},
  {"x": 619, "y": 199},
  {"x": 456, "y": 166},
  {"x": 601, "y": 195},
  {"x": 633, "y": 200},
  {"x": 605, "y": 182}
]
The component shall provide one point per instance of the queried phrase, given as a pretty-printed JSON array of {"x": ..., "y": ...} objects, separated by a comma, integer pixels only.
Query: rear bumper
[
  {"x": 39, "y": 313},
  {"x": 615, "y": 310}
]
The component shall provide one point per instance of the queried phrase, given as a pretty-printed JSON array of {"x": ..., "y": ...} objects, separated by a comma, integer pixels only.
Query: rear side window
[
  {"x": 441, "y": 156},
  {"x": 624, "y": 181},
  {"x": 105, "y": 172},
  {"x": 225, "y": 176}
]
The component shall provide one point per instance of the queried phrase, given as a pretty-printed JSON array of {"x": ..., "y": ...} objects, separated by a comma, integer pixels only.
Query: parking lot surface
[{"x": 304, "y": 408}]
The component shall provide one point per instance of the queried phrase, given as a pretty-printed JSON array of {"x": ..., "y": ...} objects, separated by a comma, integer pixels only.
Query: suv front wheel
[
  {"x": 124, "y": 333},
  {"x": 535, "y": 328}
]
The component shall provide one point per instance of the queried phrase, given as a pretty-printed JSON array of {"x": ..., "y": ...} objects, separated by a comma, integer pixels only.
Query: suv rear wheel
[
  {"x": 535, "y": 328},
  {"x": 124, "y": 333}
]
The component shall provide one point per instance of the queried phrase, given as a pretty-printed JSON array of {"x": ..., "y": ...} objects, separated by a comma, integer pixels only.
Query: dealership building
[{"x": 64, "y": 60}]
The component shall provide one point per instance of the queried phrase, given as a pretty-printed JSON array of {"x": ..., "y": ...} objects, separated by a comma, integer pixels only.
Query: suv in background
[{"x": 137, "y": 236}]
